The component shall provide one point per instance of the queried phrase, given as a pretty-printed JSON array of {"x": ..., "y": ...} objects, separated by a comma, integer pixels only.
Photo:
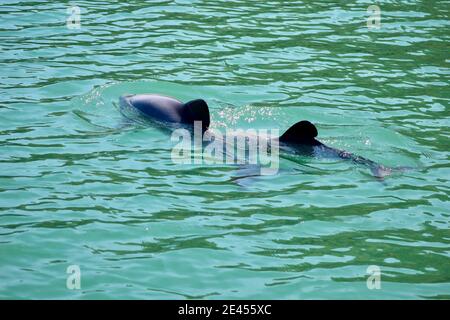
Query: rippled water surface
[{"x": 81, "y": 185}]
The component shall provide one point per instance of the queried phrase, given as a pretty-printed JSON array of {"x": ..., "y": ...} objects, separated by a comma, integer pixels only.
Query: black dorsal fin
[
  {"x": 197, "y": 110},
  {"x": 303, "y": 132}
]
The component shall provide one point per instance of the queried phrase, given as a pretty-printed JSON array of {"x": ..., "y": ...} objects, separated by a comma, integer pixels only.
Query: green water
[{"x": 81, "y": 186}]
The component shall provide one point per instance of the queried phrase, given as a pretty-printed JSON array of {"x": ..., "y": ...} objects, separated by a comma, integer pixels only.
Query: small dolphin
[
  {"x": 301, "y": 138},
  {"x": 167, "y": 109},
  {"x": 298, "y": 139}
]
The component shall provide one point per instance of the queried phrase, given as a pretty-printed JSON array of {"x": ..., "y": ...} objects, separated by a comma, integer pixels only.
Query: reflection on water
[{"x": 82, "y": 185}]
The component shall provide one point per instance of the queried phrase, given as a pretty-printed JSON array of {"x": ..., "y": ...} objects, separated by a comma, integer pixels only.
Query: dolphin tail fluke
[{"x": 381, "y": 172}]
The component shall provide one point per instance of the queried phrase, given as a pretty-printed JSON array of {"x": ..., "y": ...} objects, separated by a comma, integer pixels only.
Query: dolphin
[
  {"x": 168, "y": 109},
  {"x": 300, "y": 138}
]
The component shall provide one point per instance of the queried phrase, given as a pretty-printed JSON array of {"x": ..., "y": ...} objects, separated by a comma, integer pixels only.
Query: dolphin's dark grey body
[
  {"x": 169, "y": 109},
  {"x": 299, "y": 138}
]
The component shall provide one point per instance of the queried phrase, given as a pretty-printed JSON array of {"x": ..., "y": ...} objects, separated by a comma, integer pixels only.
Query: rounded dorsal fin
[
  {"x": 197, "y": 110},
  {"x": 302, "y": 132}
]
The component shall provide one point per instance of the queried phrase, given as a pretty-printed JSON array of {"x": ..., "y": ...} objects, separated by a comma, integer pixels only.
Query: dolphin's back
[
  {"x": 302, "y": 137},
  {"x": 155, "y": 106},
  {"x": 169, "y": 109}
]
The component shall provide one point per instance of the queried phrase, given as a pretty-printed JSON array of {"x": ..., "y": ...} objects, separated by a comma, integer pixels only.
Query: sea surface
[{"x": 84, "y": 188}]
